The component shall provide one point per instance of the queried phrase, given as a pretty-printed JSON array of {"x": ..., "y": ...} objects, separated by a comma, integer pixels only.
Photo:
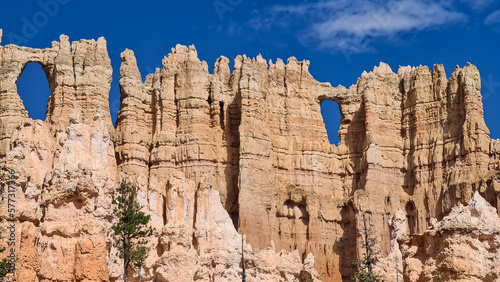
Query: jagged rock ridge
[
  {"x": 412, "y": 145},
  {"x": 65, "y": 173}
]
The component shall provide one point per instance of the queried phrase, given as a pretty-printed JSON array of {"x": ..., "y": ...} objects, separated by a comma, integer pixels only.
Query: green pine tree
[
  {"x": 131, "y": 231},
  {"x": 5, "y": 265},
  {"x": 365, "y": 265}
]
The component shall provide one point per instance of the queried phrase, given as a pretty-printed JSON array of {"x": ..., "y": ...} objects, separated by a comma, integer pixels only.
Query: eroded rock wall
[
  {"x": 198, "y": 242},
  {"x": 62, "y": 173},
  {"x": 254, "y": 134},
  {"x": 79, "y": 76},
  {"x": 413, "y": 141},
  {"x": 463, "y": 246},
  {"x": 62, "y": 170},
  {"x": 413, "y": 144}
]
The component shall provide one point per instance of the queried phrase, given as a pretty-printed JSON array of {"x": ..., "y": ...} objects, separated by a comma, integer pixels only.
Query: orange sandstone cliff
[{"x": 245, "y": 152}]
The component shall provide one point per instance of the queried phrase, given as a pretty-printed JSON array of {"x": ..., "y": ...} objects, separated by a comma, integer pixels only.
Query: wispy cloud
[
  {"x": 478, "y": 4},
  {"x": 493, "y": 18},
  {"x": 349, "y": 26}
]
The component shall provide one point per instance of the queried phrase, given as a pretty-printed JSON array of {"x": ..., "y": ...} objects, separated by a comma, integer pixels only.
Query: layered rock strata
[
  {"x": 79, "y": 76},
  {"x": 252, "y": 134},
  {"x": 199, "y": 243},
  {"x": 413, "y": 144},
  {"x": 413, "y": 141},
  {"x": 463, "y": 246},
  {"x": 62, "y": 174}
]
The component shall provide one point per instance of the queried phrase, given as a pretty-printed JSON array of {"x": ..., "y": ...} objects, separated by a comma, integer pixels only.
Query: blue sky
[{"x": 341, "y": 38}]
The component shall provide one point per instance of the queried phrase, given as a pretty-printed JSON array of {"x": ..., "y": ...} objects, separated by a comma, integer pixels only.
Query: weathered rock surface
[
  {"x": 219, "y": 128},
  {"x": 64, "y": 169},
  {"x": 412, "y": 141},
  {"x": 198, "y": 242},
  {"x": 413, "y": 145},
  {"x": 64, "y": 174},
  {"x": 463, "y": 246}
]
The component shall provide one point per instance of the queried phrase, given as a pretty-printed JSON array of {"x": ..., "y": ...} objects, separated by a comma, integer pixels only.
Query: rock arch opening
[
  {"x": 33, "y": 88},
  {"x": 331, "y": 118}
]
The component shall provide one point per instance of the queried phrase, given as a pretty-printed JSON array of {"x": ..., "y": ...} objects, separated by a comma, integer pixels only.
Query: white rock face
[
  {"x": 200, "y": 243},
  {"x": 463, "y": 246},
  {"x": 63, "y": 199}
]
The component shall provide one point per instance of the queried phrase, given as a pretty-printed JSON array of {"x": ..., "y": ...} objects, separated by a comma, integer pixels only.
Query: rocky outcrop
[
  {"x": 413, "y": 145},
  {"x": 198, "y": 242},
  {"x": 62, "y": 183},
  {"x": 414, "y": 141},
  {"x": 463, "y": 246},
  {"x": 79, "y": 76},
  {"x": 62, "y": 173},
  {"x": 62, "y": 170},
  {"x": 219, "y": 128}
]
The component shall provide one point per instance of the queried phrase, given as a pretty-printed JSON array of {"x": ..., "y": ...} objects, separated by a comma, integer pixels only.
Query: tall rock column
[
  {"x": 380, "y": 174},
  {"x": 134, "y": 131},
  {"x": 63, "y": 170},
  {"x": 80, "y": 79},
  {"x": 256, "y": 178}
]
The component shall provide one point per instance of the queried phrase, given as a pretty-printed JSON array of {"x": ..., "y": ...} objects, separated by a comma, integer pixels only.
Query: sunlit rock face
[
  {"x": 463, "y": 246},
  {"x": 63, "y": 173},
  {"x": 63, "y": 169},
  {"x": 242, "y": 151}
]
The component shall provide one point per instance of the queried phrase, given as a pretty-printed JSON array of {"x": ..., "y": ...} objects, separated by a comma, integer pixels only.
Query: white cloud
[
  {"x": 349, "y": 26},
  {"x": 493, "y": 18},
  {"x": 478, "y": 4}
]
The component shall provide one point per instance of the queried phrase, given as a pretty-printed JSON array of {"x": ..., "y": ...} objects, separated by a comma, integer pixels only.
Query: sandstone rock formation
[
  {"x": 199, "y": 243},
  {"x": 219, "y": 128},
  {"x": 79, "y": 76},
  {"x": 463, "y": 246},
  {"x": 64, "y": 175},
  {"x": 413, "y": 141},
  {"x": 413, "y": 145},
  {"x": 64, "y": 168}
]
